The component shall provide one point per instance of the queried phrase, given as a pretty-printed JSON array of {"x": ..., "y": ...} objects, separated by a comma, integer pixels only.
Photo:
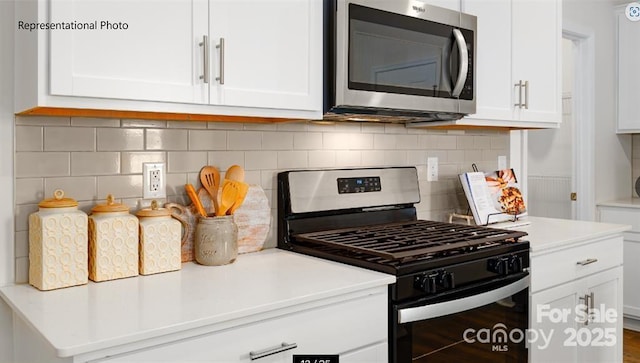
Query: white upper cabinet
[
  {"x": 628, "y": 58},
  {"x": 449, "y": 4},
  {"x": 139, "y": 50},
  {"x": 518, "y": 63},
  {"x": 166, "y": 56},
  {"x": 266, "y": 53}
]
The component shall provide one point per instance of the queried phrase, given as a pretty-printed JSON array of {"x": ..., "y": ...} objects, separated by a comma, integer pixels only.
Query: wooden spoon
[
  {"x": 242, "y": 188},
  {"x": 210, "y": 180},
  {"x": 228, "y": 198},
  {"x": 235, "y": 172}
]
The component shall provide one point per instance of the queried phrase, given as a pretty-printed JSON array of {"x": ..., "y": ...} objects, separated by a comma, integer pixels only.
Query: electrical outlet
[
  {"x": 432, "y": 169},
  {"x": 153, "y": 180}
]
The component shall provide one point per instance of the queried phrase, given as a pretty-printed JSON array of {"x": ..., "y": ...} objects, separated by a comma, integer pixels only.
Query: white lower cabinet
[
  {"x": 355, "y": 329},
  {"x": 631, "y": 216},
  {"x": 576, "y": 304}
]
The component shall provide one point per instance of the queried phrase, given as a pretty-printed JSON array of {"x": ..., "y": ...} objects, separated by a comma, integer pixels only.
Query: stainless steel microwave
[{"x": 397, "y": 61}]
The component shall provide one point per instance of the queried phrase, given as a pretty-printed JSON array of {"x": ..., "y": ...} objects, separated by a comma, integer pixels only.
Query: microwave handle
[{"x": 463, "y": 54}]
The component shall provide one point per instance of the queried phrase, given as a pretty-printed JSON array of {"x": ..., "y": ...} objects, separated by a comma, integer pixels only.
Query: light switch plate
[
  {"x": 154, "y": 180},
  {"x": 432, "y": 169}
]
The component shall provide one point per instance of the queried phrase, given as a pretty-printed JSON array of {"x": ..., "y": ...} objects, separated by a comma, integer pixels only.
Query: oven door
[
  {"x": 481, "y": 323},
  {"x": 403, "y": 54}
]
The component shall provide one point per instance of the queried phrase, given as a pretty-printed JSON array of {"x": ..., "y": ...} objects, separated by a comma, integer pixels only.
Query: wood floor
[{"x": 631, "y": 346}]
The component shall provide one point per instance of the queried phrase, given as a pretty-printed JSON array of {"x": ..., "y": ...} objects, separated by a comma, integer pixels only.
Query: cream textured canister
[
  {"x": 113, "y": 242},
  {"x": 58, "y": 244},
  {"x": 160, "y": 240}
]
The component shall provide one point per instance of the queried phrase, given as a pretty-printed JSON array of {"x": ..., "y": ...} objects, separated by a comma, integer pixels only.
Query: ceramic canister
[
  {"x": 58, "y": 244},
  {"x": 113, "y": 242},
  {"x": 160, "y": 240}
]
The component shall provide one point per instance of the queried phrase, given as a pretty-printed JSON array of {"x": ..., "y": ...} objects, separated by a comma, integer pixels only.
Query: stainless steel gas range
[{"x": 461, "y": 292}]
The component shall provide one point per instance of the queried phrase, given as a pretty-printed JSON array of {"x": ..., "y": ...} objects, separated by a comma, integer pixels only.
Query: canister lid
[
  {"x": 154, "y": 211},
  {"x": 110, "y": 206},
  {"x": 58, "y": 201}
]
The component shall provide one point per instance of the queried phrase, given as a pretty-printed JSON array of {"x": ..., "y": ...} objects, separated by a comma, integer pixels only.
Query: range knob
[
  {"x": 515, "y": 264},
  {"x": 426, "y": 283},
  {"x": 499, "y": 265},
  {"x": 446, "y": 280}
]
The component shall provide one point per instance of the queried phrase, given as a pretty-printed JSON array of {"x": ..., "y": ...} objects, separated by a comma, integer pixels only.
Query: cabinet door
[
  {"x": 272, "y": 53},
  {"x": 602, "y": 337},
  {"x": 546, "y": 319},
  {"x": 628, "y": 79},
  {"x": 494, "y": 96},
  {"x": 139, "y": 50},
  {"x": 536, "y": 43}
]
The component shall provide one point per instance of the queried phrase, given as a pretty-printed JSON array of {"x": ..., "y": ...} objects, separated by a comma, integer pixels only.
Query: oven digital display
[{"x": 359, "y": 185}]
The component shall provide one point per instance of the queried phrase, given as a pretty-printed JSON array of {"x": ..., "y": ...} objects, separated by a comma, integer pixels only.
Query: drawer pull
[
  {"x": 588, "y": 261},
  {"x": 267, "y": 352}
]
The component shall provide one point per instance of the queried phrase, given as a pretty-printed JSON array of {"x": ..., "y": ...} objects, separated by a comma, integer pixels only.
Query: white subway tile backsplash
[
  {"x": 42, "y": 164},
  {"x": 322, "y": 159},
  {"x": 186, "y": 161},
  {"x": 348, "y": 158},
  {"x": 157, "y": 124},
  {"x": 120, "y": 139},
  {"x": 244, "y": 140},
  {"x": 224, "y": 159},
  {"x": 69, "y": 139},
  {"x": 293, "y": 159},
  {"x": 43, "y": 121},
  {"x": 95, "y": 122},
  {"x": 29, "y": 138},
  {"x": 277, "y": 140},
  {"x": 22, "y": 244},
  {"x": 110, "y": 161},
  {"x": 121, "y": 186},
  {"x": 260, "y": 160},
  {"x": 78, "y": 188},
  {"x": 407, "y": 142},
  {"x": 385, "y": 141},
  {"x": 131, "y": 162},
  {"x": 338, "y": 141},
  {"x": 22, "y": 270},
  {"x": 207, "y": 140},
  {"x": 99, "y": 163},
  {"x": 29, "y": 191},
  {"x": 307, "y": 141},
  {"x": 166, "y": 139}
]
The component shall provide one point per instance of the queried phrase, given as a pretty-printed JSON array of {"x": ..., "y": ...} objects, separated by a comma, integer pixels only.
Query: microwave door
[{"x": 459, "y": 63}]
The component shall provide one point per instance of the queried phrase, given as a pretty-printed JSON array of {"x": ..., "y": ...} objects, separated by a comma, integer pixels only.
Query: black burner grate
[{"x": 400, "y": 241}]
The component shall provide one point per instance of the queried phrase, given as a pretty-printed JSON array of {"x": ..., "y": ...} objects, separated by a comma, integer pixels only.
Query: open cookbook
[{"x": 493, "y": 197}]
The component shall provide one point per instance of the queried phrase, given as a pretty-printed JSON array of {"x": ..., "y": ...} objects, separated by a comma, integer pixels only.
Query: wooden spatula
[
  {"x": 242, "y": 188},
  {"x": 227, "y": 199},
  {"x": 210, "y": 180}
]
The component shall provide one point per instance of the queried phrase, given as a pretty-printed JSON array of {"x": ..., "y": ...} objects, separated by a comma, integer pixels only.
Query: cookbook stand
[{"x": 516, "y": 216}]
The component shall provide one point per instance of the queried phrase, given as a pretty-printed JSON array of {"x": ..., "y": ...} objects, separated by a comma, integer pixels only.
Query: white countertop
[
  {"x": 84, "y": 318},
  {"x": 624, "y": 203},
  {"x": 550, "y": 233}
]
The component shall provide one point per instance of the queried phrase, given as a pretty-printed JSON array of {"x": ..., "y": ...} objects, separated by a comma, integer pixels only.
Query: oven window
[
  {"x": 492, "y": 333},
  {"x": 400, "y": 54}
]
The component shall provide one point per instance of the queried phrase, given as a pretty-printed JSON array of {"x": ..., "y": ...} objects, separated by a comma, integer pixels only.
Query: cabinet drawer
[
  {"x": 333, "y": 329},
  {"x": 557, "y": 267}
]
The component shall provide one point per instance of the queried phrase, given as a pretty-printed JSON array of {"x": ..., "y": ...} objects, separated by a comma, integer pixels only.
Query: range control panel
[{"x": 359, "y": 185}]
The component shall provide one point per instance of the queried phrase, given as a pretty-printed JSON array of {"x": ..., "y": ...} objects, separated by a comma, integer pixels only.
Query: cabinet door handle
[
  {"x": 585, "y": 298},
  {"x": 526, "y": 95},
  {"x": 220, "y": 46},
  {"x": 271, "y": 351},
  {"x": 588, "y": 261},
  {"x": 205, "y": 58},
  {"x": 519, "y": 85}
]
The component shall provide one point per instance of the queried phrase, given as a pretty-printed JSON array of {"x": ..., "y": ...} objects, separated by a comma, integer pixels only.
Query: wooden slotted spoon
[
  {"x": 210, "y": 180},
  {"x": 242, "y": 189},
  {"x": 228, "y": 198}
]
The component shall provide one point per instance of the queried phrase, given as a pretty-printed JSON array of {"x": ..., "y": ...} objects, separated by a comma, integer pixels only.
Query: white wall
[
  {"x": 6, "y": 173},
  {"x": 612, "y": 152}
]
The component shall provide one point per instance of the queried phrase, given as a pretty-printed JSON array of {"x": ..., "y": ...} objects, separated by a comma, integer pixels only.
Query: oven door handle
[{"x": 425, "y": 312}]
